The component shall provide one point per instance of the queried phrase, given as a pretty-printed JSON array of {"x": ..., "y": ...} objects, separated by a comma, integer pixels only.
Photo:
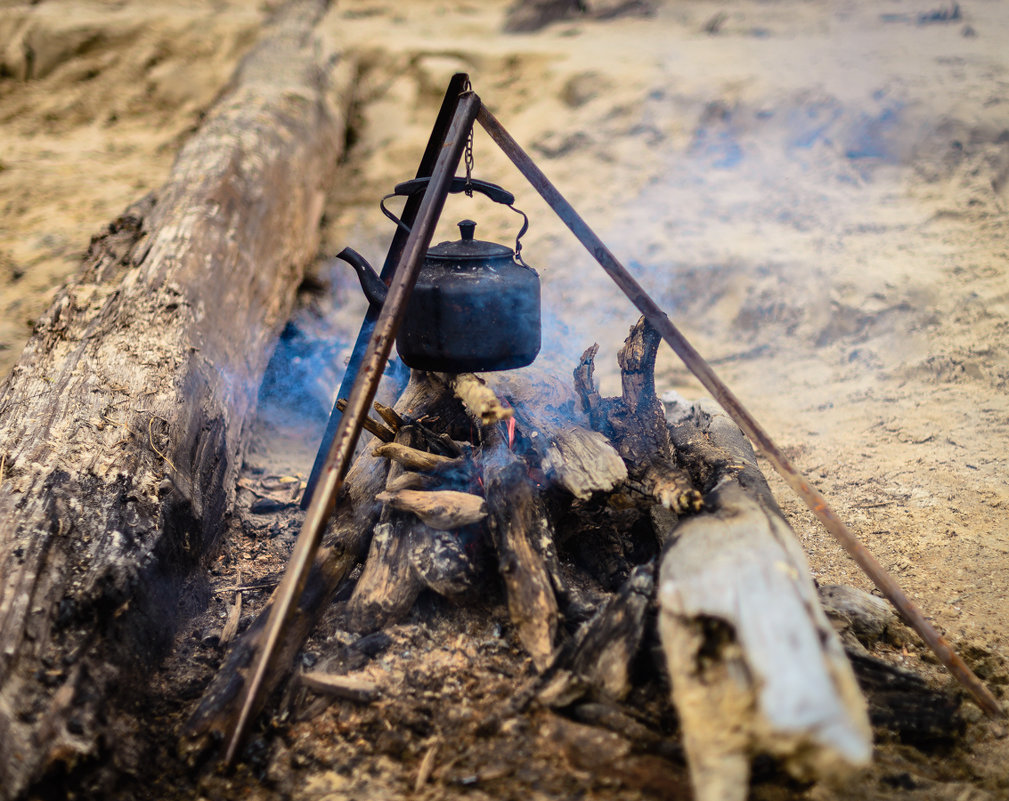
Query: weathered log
[
  {"x": 441, "y": 509},
  {"x": 754, "y": 663},
  {"x": 120, "y": 423},
  {"x": 636, "y": 424},
  {"x": 573, "y": 456},
  {"x": 598, "y": 660},
  {"x": 521, "y": 532}
]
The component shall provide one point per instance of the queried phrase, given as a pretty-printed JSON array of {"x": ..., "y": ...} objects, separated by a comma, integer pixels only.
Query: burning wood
[{"x": 575, "y": 520}]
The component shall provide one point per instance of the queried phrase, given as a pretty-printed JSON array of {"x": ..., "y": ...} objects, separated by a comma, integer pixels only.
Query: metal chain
[{"x": 468, "y": 159}]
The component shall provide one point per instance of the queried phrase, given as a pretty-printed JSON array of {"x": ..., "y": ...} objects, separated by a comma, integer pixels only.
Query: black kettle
[{"x": 475, "y": 306}]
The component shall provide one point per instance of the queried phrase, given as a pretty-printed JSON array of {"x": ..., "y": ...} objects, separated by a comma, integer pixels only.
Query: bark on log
[
  {"x": 120, "y": 424},
  {"x": 523, "y": 539},
  {"x": 754, "y": 663},
  {"x": 635, "y": 422}
]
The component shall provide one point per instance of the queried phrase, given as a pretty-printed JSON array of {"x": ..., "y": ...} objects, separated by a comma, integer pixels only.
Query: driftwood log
[
  {"x": 755, "y": 665},
  {"x": 120, "y": 423}
]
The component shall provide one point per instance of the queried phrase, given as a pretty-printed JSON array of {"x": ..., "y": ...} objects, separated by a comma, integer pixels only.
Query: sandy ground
[{"x": 817, "y": 192}]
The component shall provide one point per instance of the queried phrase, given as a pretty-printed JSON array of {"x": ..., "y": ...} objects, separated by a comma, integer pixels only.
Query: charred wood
[
  {"x": 598, "y": 660},
  {"x": 571, "y": 455},
  {"x": 754, "y": 663},
  {"x": 440, "y": 509},
  {"x": 521, "y": 533},
  {"x": 388, "y": 586},
  {"x": 121, "y": 421},
  {"x": 450, "y": 563},
  {"x": 905, "y": 707},
  {"x": 635, "y": 422}
]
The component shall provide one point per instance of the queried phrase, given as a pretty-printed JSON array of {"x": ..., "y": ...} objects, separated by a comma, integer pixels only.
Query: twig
[
  {"x": 371, "y": 426},
  {"x": 390, "y": 415},
  {"x": 150, "y": 439},
  {"x": 350, "y": 688},
  {"x": 413, "y": 458},
  {"x": 426, "y": 767}
]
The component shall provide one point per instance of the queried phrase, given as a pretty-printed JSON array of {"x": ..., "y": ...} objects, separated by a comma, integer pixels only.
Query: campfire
[
  {"x": 587, "y": 514},
  {"x": 592, "y": 511}
]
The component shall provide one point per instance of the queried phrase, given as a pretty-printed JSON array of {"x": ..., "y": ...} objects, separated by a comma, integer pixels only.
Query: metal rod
[
  {"x": 735, "y": 409},
  {"x": 456, "y": 86},
  {"x": 361, "y": 396}
]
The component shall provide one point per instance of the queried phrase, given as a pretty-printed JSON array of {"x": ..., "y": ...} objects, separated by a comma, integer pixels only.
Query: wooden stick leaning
[{"x": 741, "y": 416}]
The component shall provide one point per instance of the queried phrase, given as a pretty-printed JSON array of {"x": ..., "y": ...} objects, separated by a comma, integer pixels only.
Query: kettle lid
[{"x": 469, "y": 248}]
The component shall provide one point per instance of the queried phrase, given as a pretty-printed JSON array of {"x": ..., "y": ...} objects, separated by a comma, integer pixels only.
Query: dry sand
[{"x": 817, "y": 192}]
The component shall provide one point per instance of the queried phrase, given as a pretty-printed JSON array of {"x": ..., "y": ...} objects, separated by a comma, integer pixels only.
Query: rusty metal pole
[
  {"x": 341, "y": 451},
  {"x": 739, "y": 414}
]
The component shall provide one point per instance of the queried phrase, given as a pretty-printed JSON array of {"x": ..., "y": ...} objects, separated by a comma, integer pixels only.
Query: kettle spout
[{"x": 374, "y": 288}]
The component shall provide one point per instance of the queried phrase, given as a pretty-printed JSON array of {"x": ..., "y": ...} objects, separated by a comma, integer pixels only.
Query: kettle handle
[
  {"x": 493, "y": 191},
  {"x": 460, "y": 184}
]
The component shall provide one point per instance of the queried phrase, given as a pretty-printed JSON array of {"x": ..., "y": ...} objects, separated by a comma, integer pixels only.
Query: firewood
[
  {"x": 517, "y": 520},
  {"x": 441, "y": 509},
  {"x": 582, "y": 461},
  {"x": 865, "y": 617},
  {"x": 450, "y": 563},
  {"x": 478, "y": 399},
  {"x": 754, "y": 664},
  {"x": 374, "y": 427},
  {"x": 636, "y": 424},
  {"x": 387, "y": 588},
  {"x": 414, "y": 458},
  {"x": 389, "y": 415},
  {"x": 598, "y": 659},
  {"x": 412, "y": 481},
  {"x": 121, "y": 421},
  {"x": 349, "y": 688},
  {"x": 388, "y": 585},
  {"x": 571, "y": 455}
]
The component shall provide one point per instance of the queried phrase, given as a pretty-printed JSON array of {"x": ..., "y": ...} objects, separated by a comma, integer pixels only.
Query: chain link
[{"x": 468, "y": 159}]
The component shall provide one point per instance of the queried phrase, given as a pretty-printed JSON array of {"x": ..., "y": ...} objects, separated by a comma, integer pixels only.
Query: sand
[{"x": 818, "y": 193}]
